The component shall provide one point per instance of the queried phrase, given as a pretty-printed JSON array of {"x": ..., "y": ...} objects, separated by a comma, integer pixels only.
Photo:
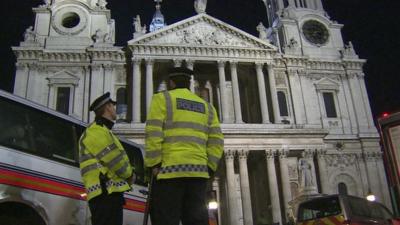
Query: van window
[
  {"x": 322, "y": 207},
  {"x": 362, "y": 208}
]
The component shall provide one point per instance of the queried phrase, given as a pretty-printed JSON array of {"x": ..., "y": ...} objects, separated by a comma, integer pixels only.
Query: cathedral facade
[{"x": 292, "y": 102}]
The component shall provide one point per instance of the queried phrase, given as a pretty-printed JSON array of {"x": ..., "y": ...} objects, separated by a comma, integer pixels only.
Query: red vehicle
[
  {"x": 389, "y": 127},
  {"x": 343, "y": 210}
]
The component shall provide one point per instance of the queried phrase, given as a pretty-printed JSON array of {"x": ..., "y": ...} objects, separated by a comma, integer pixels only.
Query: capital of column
[
  {"x": 189, "y": 63},
  {"x": 136, "y": 60},
  {"x": 283, "y": 153},
  {"x": 321, "y": 153},
  {"x": 230, "y": 154},
  {"x": 308, "y": 153},
  {"x": 270, "y": 64},
  {"x": 149, "y": 61},
  {"x": 233, "y": 63},
  {"x": 243, "y": 154},
  {"x": 269, "y": 154},
  {"x": 259, "y": 65},
  {"x": 221, "y": 63},
  {"x": 177, "y": 62}
]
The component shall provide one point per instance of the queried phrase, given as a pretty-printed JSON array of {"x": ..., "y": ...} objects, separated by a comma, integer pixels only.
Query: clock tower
[{"x": 303, "y": 28}]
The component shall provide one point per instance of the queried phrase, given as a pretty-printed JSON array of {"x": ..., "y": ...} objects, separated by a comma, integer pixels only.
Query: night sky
[{"x": 371, "y": 25}]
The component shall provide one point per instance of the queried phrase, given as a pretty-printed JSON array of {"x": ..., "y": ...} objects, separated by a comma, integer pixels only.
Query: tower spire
[{"x": 158, "y": 21}]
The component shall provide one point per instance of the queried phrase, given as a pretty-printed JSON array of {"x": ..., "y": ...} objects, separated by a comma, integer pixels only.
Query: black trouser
[
  {"x": 107, "y": 209},
  {"x": 179, "y": 199}
]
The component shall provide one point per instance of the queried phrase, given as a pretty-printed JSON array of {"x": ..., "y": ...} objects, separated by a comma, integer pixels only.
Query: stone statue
[
  {"x": 101, "y": 4},
  {"x": 262, "y": 31},
  {"x": 29, "y": 34},
  {"x": 200, "y": 6},
  {"x": 137, "y": 24},
  {"x": 306, "y": 178}
]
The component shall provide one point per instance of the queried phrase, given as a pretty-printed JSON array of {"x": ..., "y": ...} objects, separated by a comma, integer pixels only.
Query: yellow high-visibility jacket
[
  {"x": 183, "y": 134},
  {"x": 101, "y": 152}
]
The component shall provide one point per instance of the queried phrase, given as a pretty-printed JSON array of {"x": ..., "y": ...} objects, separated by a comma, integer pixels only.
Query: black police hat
[
  {"x": 100, "y": 101},
  {"x": 180, "y": 71}
]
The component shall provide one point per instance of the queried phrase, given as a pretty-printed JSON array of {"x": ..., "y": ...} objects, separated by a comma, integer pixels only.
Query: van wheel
[{"x": 13, "y": 213}]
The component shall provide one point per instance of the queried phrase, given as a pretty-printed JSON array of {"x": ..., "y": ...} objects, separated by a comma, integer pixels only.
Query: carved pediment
[
  {"x": 327, "y": 84},
  {"x": 204, "y": 31},
  {"x": 63, "y": 77}
]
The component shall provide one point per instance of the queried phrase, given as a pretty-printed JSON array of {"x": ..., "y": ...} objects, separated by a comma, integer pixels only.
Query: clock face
[{"x": 315, "y": 32}]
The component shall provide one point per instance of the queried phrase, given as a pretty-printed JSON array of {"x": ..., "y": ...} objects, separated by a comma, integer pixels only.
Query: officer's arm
[
  {"x": 154, "y": 131},
  {"x": 215, "y": 143},
  {"x": 109, "y": 155}
]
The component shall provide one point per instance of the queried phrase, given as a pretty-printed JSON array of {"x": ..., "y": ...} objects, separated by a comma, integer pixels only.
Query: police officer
[
  {"x": 105, "y": 167},
  {"x": 183, "y": 146}
]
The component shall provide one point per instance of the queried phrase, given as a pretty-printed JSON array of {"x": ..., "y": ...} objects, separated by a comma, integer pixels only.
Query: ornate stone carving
[{"x": 340, "y": 160}]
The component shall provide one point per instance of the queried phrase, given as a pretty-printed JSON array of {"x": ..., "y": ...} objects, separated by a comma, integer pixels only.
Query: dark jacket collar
[{"x": 103, "y": 121}]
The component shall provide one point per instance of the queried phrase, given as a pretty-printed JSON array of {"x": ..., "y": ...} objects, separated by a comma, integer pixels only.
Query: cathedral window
[
  {"x": 283, "y": 106},
  {"x": 122, "y": 106},
  {"x": 329, "y": 102},
  {"x": 63, "y": 99}
]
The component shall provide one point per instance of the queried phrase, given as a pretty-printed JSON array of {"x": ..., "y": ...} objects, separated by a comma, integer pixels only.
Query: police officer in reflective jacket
[
  {"x": 105, "y": 167},
  {"x": 184, "y": 143}
]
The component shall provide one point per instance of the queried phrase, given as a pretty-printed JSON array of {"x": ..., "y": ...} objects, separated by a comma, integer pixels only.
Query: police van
[{"x": 40, "y": 181}]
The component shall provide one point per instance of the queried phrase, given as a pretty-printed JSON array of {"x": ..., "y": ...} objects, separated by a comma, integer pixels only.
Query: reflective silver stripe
[
  {"x": 122, "y": 169},
  {"x": 168, "y": 105},
  {"x": 89, "y": 168},
  {"x": 189, "y": 125},
  {"x": 184, "y": 168},
  {"x": 215, "y": 130},
  {"x": 156, "y": 123},
  {"x": 210, "y": 114},
  {"x": 213, "y": 159},
  {"x": 105, "y": 151},
  {"x": 152, "y": 134},
  {"x": 175, "y": 139},
  {"x": 215, "y": 141},
  {"x": 116, "y": 160},
  {"x": 84, "y": 157},
  {"x": 153, "y": 154}
]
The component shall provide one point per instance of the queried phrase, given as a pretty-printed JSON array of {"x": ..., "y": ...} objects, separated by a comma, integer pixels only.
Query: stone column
[
  {"x": 297, "y": 96},
  {"x": 273, "y": 187},
  {"x": 274, "y": 95},
  {"x": 283, "y": 164},
  {"x": 230, "y": 177},
  {"x": 109, "y": 79},
  {"x": 236, "y": 93},
  {"x": 149, "y": 82},
  {"x": 364, "y": 95},
  {"x": 222, "y": 86},
  {"x": 136, "y": 81},
  {"x": 21, "y": 79},
  {"x": 190, "y": 65},
  {"x": 262, "y": 93},
  {"x": 323, "y": 173},
  {"x": 356, "y": 95},
  {"x": 245, "y": 188},
  {"x": 349, "y": 101}
]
